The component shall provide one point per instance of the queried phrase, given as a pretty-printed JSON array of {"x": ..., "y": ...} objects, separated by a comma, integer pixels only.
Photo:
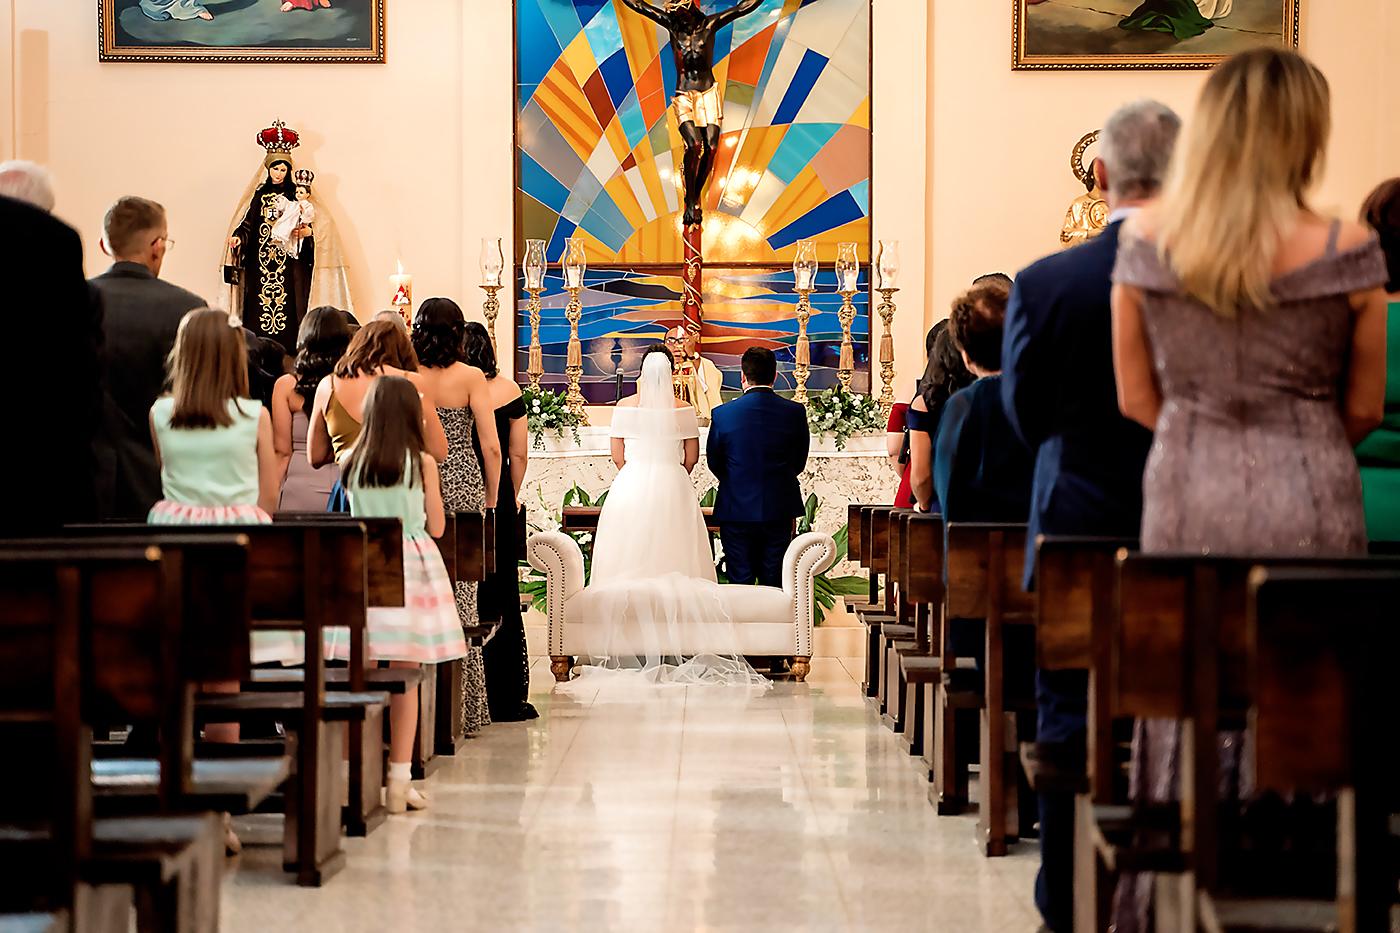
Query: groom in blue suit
[{"x": 757, "y": 448}]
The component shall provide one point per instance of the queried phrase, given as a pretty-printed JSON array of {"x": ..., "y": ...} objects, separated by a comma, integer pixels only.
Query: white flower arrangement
[
  {"x": 843, "y": 414},
  {"x": 547, "y": 412}
]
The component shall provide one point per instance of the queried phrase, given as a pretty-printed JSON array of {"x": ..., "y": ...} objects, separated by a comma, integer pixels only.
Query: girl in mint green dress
[
  {"x": 387, "y": 474},
  {"x": 218, "y": 465}
]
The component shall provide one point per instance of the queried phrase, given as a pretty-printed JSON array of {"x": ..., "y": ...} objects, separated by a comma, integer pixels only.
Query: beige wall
[
  {"x": 1000, "y": 140},
  {"x": 414, "y": 157}
]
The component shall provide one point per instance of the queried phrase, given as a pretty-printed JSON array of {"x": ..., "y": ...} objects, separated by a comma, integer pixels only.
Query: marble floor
[{"x": 690, "y": 811}]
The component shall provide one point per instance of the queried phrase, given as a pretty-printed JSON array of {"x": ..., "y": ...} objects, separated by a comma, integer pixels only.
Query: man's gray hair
[
  {"x": 1136, "y": 147},
  {"x": 28, "y": 182}
]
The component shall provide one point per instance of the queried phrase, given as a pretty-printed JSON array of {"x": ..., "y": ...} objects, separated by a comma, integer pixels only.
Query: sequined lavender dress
[{"x": 1250, "y": 454}]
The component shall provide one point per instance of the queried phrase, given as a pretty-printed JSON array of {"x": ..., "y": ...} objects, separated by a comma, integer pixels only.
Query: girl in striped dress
[{"x": 389, "y": 475}]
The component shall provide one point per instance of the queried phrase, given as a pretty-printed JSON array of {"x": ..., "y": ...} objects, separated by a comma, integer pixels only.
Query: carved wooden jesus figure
[{"x": 698, "y": 101}]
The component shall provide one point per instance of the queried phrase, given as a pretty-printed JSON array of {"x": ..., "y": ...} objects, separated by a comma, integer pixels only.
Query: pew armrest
[{"x": 558, "y": 557}]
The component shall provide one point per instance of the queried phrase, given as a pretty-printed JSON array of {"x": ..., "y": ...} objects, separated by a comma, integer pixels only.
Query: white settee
[{"x": 771, "y": 621}]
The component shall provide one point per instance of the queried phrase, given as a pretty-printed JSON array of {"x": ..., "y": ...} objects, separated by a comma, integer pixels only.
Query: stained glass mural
[
  {"x": 597, "y": 144},
  {"x": 626, "y": 310},
  {"x": 597, "y": 155}
]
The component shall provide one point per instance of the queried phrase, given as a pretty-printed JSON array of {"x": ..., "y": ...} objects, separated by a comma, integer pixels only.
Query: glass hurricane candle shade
[
  {"x": 847, "y": 268},
  {"x": 575, "y": 263},
  {"x": 804, "y": 266},
  {"x": 493, "y": 261},
  {"x": 533, "y": 264},
  {"x": 887, "y": 265}
]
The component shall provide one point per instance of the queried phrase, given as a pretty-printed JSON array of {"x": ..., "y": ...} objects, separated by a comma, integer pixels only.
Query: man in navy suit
[
  {"x": 1059, "y": 392},
  {"x": 757, "y": 448}
]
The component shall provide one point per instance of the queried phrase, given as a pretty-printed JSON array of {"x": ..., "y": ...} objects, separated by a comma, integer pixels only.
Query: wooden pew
[
  {"x": 922, "y": 587},
  {"x": 898, "y": 635},
  {"x": 855, "y": 531},
  {"x": 41, "y": 724},
  {"x": 154, "y": 620},
  {"x": 468, "y": 547},
  {"x": 1075, "y": 594},
  {"x": 983, "y": 569},
  {"x": 303, "y": 577},
  {"x": 1321, "y": 646},
  {"x": 874, "y": 556},
  {"x": 384, "y": 587},
  {"x": 1181, "y": 651}
]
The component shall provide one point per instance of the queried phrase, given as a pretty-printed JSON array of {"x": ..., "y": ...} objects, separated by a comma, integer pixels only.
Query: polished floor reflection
[{"x": 689, "y": 811}]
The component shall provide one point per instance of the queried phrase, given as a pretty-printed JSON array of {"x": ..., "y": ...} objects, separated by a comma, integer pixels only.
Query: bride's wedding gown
[{"x": 653, "y": 576}]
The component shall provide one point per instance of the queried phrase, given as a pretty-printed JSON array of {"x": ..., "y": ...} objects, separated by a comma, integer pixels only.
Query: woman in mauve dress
[{"x": 1249, "y": 334}]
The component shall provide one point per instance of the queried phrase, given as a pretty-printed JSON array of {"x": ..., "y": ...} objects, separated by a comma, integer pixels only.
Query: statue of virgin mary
[{"x": 274, "y": 289}]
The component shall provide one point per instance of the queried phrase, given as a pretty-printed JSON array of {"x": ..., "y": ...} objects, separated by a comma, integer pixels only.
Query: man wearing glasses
[{"x": 142, "y": 314}]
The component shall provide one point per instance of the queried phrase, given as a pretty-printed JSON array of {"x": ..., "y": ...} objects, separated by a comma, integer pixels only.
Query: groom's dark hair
[{"x": 760, "y": 366}]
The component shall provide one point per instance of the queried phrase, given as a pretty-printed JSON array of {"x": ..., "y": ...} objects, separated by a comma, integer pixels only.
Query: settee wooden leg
[
  {"x": 800, "y": 669},
  {"x": 561, "y": 665}
]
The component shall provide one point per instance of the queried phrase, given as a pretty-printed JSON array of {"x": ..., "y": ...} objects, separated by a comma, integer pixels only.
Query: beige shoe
[
  {"x": 401, "y": 796},
  {"x": 232, "y": 844}
]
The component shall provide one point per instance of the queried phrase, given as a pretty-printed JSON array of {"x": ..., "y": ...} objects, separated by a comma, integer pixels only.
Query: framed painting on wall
[
  {"x": 1144, "y": 34},
  {"x": 241, "y": 30}
]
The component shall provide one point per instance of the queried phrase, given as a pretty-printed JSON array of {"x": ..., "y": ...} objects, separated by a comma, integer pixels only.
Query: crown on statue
[
  {"x": 303, "y": 177},
  {"x": 279, "y": 138}
]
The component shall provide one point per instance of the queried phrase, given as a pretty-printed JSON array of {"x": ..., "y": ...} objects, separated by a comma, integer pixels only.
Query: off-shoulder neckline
[{"x": 1370, "y": 243}]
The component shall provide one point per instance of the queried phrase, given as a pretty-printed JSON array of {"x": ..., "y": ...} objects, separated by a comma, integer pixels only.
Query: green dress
[
  {"x": 1181, "y": 18},
  {"x": 1379, "y": 454}
]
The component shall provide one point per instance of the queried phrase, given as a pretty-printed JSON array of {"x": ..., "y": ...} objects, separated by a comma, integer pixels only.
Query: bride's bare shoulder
[
  {"x": 629, "y": 402},
  {"x": 682, "y": 403}
]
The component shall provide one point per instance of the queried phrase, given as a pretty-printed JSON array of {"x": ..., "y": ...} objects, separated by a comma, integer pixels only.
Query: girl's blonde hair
[
  {"x": 207, "y": 367},
  {"x": 1251, "y": 152}
]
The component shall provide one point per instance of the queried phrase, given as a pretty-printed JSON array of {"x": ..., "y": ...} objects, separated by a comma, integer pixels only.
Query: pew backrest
[
  {"x": 969, "y": 550},
  {"x": 1180, "y": 615},
  {"x": 1075, "y": 579},
  {"x": 922, "y": 553},
  {"x": 1320, "y": 643}
]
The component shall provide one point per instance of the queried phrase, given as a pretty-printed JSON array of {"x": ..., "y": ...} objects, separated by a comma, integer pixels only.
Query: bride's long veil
[{"x": 656, "y": 614}]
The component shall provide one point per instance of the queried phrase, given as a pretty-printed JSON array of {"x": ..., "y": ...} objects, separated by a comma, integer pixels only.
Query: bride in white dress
[{"x": 653, "y": 576}]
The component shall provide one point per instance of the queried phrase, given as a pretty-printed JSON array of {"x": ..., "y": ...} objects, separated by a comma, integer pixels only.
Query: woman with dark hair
[
  {"x": 944, "y": 375},
  {"x": 321, "y": 341},
  {"x": 897, "y": 441},
  {"x": 377, "y": 349},
  {"x": 506, "y": 658},
  {"x": 1379, "y": 454},
  {"x": 468, "y": 418}
]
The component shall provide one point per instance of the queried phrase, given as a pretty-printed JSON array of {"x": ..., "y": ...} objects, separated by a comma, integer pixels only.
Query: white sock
[{"x": 400, "y": 770}]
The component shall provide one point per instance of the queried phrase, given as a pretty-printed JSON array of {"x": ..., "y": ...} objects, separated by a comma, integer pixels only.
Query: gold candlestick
[
  {"x": 535, "y": 369},
  {"x": 491, "y": 307},
  {"x": 847, "y": 315},
  {"x": 573, "y": 366},
  {"x": 887, "y": 352},
  {"x": 802, "y": 361}
]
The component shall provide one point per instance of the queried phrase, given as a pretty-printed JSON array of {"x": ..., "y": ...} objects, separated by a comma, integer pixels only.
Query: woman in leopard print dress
[{"x": 464, "y": 407}]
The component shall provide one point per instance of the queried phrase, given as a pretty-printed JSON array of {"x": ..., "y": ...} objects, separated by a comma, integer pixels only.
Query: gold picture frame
[
  {"x": 1050, "y": 46},
  {"x": 129, "y": 32}
]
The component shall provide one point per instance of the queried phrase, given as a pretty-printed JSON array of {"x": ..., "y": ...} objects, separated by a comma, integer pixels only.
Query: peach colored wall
[
  {"x": 1000, "y": 140},
  {"x": 414, "y": 157}
]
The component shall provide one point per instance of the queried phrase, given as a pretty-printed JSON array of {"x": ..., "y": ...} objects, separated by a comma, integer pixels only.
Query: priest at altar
[{"x": 697, "y": 380}]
